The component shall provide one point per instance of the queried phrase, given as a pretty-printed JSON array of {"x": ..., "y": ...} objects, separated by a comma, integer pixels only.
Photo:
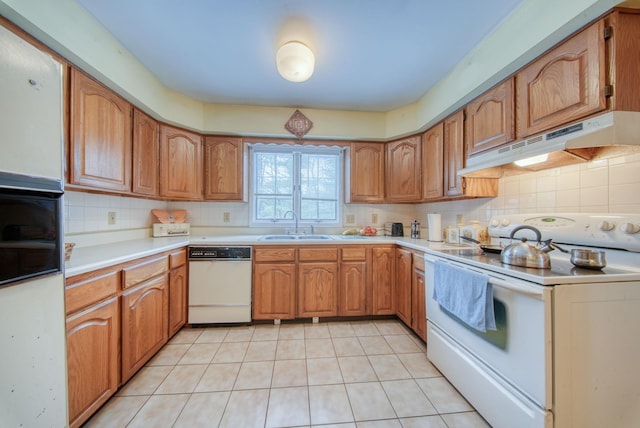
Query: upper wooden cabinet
[
  {"x": 100, "y": 136},
  {"x": 403, "y": 172},
  {"x": 432, "y": 162},
  {"x": 453, "y": 153},
  {"x": 367, "y": 172},
  {"x": 180, "y": 163},
  {"x": 223, "y": 168},
  {"x": 146, "y": 148},
  {"x": 490, "y": 120},
  {"x": 565, "y": 84}
]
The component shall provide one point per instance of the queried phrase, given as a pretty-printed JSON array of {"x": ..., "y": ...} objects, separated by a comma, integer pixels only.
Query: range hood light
[{"x": 532, "y": 160}]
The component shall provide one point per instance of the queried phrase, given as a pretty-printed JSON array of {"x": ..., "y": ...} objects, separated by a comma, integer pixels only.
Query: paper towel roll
[{"x": 434, "y": 224}]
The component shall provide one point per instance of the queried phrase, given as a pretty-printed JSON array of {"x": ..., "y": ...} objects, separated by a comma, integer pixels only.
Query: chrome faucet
[{"x": 295, "y": 217}]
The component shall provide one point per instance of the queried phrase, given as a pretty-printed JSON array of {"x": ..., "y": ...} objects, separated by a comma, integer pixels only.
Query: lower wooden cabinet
[
  {"x": 93, "y": 336},
  {"x": 274, "y": 291},
  {"x": 317, "y": 289},
  {"x": 117, "y": 319},
  {"x": 403, "y": 284},
  {"x": 178, "y": 287},
  {"x": 383, "y": 296},
  {"x": 418, "y": 304},
  {"x": 144, "y": 324}
]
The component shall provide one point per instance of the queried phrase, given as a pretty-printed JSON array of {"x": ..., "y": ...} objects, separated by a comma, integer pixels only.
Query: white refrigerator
[{"x": 33, "y": 368}]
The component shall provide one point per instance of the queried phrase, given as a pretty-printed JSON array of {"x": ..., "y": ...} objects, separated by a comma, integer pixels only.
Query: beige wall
[{"x": 69, "y": 29}]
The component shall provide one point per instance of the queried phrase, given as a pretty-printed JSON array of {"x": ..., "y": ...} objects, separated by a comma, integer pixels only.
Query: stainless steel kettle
[{"x": 524, "y": 254}]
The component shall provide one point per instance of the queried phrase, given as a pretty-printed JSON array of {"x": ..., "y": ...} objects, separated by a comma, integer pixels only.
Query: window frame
[{"x": 297, "y": 151}]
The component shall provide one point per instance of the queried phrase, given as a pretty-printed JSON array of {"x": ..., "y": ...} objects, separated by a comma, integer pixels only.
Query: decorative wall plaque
[{"x": 298, "y": 124}]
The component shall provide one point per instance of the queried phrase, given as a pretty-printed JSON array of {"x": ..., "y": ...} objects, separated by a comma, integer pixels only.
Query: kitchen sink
[{"x": 295, "y": 237}]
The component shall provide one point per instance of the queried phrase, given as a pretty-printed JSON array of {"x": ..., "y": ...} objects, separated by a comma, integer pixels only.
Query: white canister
[
  {"x": 451, "y": 235},
  {"x": 476, "y": 231}
]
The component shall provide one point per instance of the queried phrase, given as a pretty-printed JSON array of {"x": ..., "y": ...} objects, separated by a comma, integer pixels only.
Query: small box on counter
[{"x": 161, "y": 230}]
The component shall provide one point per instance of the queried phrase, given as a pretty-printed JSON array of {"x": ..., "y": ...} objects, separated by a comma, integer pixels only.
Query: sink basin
[
  {"x": 316, "y": 237},
  {"x": 277, "y": 237},
  {"x": 295, "y": 237}
]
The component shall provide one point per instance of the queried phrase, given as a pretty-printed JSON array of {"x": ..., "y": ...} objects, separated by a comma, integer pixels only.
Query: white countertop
[{"x": 86, "y": 259}]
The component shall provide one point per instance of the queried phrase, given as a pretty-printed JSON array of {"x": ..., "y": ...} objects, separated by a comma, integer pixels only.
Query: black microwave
[{"x": 30, "y": 227}]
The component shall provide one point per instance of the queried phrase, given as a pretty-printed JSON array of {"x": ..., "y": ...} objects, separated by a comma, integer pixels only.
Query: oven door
[{"x": 519, "y": 350}]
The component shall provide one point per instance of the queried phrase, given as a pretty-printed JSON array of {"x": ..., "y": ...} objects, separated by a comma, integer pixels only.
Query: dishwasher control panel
[{"x": 219, "y": 253}]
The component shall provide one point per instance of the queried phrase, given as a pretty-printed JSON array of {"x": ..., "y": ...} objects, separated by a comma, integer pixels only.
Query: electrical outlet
[
  {"x": 351, "y": 219},
  {"x": 111, "y": 217},
  {"x": 226, "y": 217},
  {"x": 374, "y": 218}
]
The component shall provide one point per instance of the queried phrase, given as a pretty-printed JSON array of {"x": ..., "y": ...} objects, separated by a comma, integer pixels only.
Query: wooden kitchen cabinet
[
  {"x": 178, "y": 287},
  {"x": 223, "y": 168},
  {"x": 180, "y": 163},
  {"x": 366, "y": 176},
  {"x": 317, "y": 281},
  {"x": 403, "y": 276},
  {"x": 432, "y": 162},
  {"x": 383, "y": 300},
  {"x": 490, "y": 120},
  {"x": 453, "y": 155},
  {"x": 565, "y": 84},
  {"x": 144, "y": 323},
  {"x": 274, "y": 283},
  {"x": 403, "y": 170},
  {"x": 146, "y": 154},
  {"x": 100, "y": 136},
  {"x": 93, "y": 360},
  {"x": 418, "y": 301},
  {"x": 354, "y": 292}
]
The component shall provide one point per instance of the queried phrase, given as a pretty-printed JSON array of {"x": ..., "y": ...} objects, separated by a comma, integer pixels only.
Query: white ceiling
[{"x": 371, "y": 55}]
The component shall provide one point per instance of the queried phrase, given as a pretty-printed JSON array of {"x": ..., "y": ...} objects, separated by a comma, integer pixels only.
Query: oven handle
[{"x": 513, "y": 284}]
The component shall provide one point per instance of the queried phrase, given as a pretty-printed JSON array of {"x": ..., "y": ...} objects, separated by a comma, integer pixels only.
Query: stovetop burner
[{"x": 561, "y": 271}]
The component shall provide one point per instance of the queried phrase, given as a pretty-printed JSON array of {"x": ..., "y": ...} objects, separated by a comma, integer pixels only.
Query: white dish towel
[{"x": 466, "y": 294}]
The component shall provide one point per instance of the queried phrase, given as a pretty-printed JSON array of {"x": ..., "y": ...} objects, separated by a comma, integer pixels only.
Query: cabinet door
[
  {"x": 274, "y": 291},
  {"x": 177, "y": 299},
  {"x": 146, "y": 147},
  {"x": 419, "y": 310},
  {"x": 403, "y": 175},
  {"x": 490, "y": 119},
  {"x": 453, "y": 153},
  {"x": 92, "y": 359},
  {"x": 403, "y": 285},
  {"x": 317, "y": 289},
  {"x": 353, "y": 289},
  {"x": 432, "y": 152},
  {"x": 563, "y": 85},
  {"x": 180, "y": 163},
  {"x": 100, "y": 143},
  {"x": 367, "y": 172},
  {"x": 383, "y": 269},
  {"x": 144, "y": 324},
  {"x": 223, "y": 168}
]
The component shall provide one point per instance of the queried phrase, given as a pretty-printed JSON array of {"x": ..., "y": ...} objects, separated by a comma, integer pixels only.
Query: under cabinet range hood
[{"x": 611, "y": 134}]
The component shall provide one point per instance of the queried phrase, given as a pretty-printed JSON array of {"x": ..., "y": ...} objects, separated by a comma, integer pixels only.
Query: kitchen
[{"x": 598, "y": 186}]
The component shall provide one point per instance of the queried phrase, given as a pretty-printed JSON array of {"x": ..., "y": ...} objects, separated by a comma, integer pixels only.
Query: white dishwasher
[{"x": 219, "y": 284}]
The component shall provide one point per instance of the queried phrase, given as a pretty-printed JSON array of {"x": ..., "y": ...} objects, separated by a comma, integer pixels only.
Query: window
[{"x": 302, "y": 180}]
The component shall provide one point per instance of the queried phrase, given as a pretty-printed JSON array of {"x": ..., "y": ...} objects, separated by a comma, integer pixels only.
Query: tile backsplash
[{"x": 598, "y": 186}]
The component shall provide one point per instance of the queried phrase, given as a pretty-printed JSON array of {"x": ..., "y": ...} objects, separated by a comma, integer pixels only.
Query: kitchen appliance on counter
[
  {"x": 565, "y": 347},
  {"x": 161, "y": 230},
  {"x": 219, "y": 284},
  {"x": 393, "y": 229}
]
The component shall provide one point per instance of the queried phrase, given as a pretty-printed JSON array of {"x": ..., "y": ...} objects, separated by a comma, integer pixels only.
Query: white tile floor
[{"x": 343, "y": 374}]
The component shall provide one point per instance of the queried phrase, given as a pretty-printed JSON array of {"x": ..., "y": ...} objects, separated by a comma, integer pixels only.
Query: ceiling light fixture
[{"x": 295, "y": 61}]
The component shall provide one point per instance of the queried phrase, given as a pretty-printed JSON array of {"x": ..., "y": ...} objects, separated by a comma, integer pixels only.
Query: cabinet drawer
[
  {"x": 90, "y": 290},
  {"x": 144, "y": 270},
  {"x": 418, "y": 261},
  {"x": 353, "y": 253},
  {"x": 319, "y": 254},
  {"x": 279, "y": 254},
  {"x": 177, "y": 258}
]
